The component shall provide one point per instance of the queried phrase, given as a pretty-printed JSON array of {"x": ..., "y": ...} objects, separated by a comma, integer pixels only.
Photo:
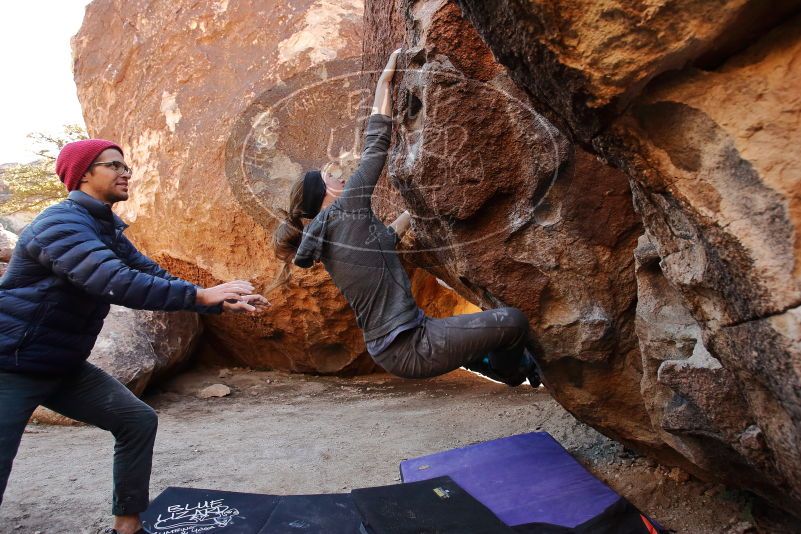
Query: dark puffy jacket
[{"x": 69, "y": 265}]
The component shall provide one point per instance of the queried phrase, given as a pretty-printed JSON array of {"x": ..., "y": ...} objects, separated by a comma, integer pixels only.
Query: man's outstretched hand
[
  {"x": 212, "y": 296},
  {"x": 236, "y": 296}
]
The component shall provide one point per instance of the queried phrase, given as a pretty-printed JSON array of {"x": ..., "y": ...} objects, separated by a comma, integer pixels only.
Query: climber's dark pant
[
  {"x": 92, "y": 396},
  {"x": 441, "y": 345}
]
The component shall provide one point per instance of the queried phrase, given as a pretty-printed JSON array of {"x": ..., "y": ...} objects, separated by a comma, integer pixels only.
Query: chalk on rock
[{"x": 215, "y": 390}]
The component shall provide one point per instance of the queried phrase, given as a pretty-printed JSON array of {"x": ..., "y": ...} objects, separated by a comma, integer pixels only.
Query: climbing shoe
[
  {"x": 510, "y": 378},
  {"x": 533, "y": 377},
  {"x": 532, "y": 370}
]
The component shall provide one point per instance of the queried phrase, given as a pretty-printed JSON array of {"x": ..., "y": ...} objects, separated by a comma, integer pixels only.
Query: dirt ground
[{"x": 282, "y": 434}]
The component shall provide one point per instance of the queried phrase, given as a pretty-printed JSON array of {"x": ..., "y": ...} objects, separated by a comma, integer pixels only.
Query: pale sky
[{"x": 37, "y": 92}]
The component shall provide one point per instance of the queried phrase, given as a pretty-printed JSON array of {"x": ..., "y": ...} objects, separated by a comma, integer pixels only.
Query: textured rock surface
[
  {"x": 170, "y": 87},
  {"x": 138, "y": 347},
  {"x": 719, "y": 192},
  {"x": 710, "y": 152},
  {"x": 588, "y": 60},
  {"x": 694, "y": 402}
]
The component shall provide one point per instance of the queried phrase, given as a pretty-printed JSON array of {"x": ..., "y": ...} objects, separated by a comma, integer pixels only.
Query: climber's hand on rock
[
  {"x": 401, "y": 224},
  {"x": 389, "y": 70},
  {"x": 246, "y": 303},
  {"x": 230, "y": 290},
  {"x": 382, "y": 102}
]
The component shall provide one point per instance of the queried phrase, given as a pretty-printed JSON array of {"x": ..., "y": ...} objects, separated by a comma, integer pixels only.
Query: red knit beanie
[{"x": 74, "y": 159}]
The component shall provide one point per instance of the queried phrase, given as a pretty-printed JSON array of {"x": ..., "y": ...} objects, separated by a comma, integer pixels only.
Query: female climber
[{"x": 358, "y": 251}]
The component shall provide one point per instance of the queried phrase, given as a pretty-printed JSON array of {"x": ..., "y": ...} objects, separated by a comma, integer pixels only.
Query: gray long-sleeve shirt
[{"x": 358, "y": 250}]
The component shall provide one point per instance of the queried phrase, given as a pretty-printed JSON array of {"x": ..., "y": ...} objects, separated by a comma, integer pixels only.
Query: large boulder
[
  {"x": 507, "y": 212},
  {"x": 697, "y": 103},
  {"x": 138, "y": 347},
  {"x": 172, "y": 86}
]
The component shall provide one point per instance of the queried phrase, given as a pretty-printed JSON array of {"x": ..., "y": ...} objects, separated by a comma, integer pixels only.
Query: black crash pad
[
  {"x": 331, "y": 513},
  {"x": 435, "y": 506}
]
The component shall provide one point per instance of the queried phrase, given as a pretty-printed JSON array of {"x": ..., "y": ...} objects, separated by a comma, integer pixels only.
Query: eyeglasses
[{"x": 118, "y": 166}]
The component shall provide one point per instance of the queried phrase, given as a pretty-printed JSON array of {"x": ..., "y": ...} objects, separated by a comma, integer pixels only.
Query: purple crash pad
[{"x": 528, "y": 478}]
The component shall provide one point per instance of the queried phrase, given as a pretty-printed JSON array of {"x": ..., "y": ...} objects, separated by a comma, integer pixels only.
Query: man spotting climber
[{"x": 69, "y": 265}]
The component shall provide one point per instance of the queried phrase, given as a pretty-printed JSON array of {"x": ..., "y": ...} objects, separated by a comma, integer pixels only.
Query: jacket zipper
[
  {"x": 19, "y": 347},
  {"x": 34, "y": 323}
]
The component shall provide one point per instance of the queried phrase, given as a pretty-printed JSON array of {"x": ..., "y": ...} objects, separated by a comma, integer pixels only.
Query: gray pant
[
  {"x": 439, "y": 346},
  {"x": 91, "y": 396}
]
